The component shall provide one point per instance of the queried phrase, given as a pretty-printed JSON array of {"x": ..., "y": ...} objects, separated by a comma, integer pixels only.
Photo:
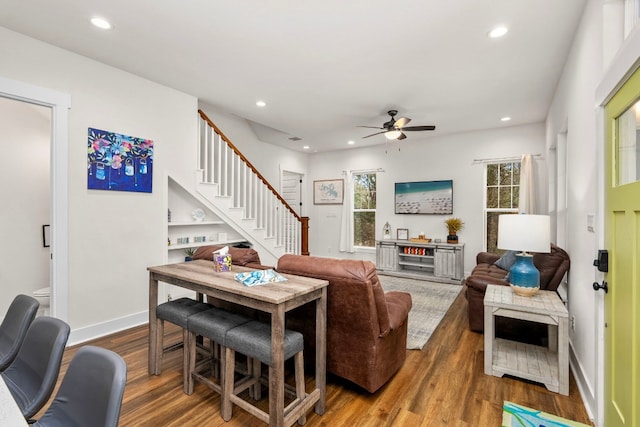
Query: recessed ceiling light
[
  {"x": 351, "y": 142},
  {"x": 101, "y": 23},
  {"x": 306, "y": 147},
  {"x": 261, "y": 104},
  {"x": 498, "y": 32},
  {"x": 505, "y": 119}
]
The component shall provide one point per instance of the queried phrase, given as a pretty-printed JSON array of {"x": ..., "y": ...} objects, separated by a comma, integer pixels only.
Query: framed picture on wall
[
  {"x": 328, "y": 192},
  {"x": 402, "y": 233}
]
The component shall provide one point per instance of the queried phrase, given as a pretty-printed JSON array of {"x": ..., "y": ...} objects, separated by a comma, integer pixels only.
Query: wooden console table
[
  {"x": 438, "y": 262},
  {"x": 274, "y": 298},
  {"x": 549, "y": 366}
]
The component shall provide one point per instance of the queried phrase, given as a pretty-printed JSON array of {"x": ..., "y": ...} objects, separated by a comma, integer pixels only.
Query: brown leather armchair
[
  {"x": 366, "y": 327},
  {"x": 552, "y": 266}
]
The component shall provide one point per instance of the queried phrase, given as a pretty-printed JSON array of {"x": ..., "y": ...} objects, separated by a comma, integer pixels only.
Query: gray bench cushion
[
  {"x": 214, "y": 323},
  {"x": 178, "y": 311},
  {"x": 254, "y": 340}
]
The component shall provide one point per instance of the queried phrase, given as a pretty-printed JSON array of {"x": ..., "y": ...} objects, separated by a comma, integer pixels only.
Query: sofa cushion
[
  {"x": 507, "y": 260},
  {"x": 239, "y": 256},
  {"x": 343, "y": 271}
]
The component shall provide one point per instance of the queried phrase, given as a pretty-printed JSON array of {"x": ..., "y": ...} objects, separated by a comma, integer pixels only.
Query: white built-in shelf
[
  {"x": 415, "y": 256},
  {"x": 197, "y": 245},
  {"x": 416, "y": 264},
  {"x": 188, "y": 223}
]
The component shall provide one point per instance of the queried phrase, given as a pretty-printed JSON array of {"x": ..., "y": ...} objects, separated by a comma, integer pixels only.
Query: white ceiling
[{"x": 327, "y": 66}]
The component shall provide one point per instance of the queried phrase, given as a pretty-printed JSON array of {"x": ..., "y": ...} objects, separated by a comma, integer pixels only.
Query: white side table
[{"x": 549, "y": 366}]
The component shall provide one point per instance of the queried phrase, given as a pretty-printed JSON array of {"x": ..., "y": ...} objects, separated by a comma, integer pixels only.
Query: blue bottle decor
[{"x": 524, "y": 276}]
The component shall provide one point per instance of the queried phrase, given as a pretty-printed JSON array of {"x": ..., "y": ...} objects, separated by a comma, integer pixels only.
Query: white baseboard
[
  {"x": 586, "y": 391},
  {"x": 88, "y": 333}
]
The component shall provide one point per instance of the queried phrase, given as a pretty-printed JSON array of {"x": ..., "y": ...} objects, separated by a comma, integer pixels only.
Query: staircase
[{"x": 244, "y": 198}]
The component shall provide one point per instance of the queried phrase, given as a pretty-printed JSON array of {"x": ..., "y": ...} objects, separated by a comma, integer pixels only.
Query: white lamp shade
[{"x": 527, "y": 233}]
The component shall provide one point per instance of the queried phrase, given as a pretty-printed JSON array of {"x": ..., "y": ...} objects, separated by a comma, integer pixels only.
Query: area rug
[
  {"x": 430, "y": 303},
  {"x": 520, "y": 416}
]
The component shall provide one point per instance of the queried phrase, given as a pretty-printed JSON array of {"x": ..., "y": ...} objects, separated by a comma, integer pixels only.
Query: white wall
[
  {"x": 113, "y": 236},
  {"x": 424, "y": 158},
  {"x": 573, "y": 110},
  {"x": 25, "y": 141},
  {"x": 598, "y": 61}
]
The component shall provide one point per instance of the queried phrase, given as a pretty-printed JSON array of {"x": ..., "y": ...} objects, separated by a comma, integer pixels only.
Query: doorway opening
[{"x": 59, "y": 105}]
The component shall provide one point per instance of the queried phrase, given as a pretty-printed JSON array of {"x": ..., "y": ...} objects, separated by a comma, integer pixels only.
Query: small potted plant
[
  {"x": 453, "y": 226},
  {"x": 189, "y": 254}
]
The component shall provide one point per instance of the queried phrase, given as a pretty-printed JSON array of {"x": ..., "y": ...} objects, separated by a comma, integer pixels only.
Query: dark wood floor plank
[{"x": 442, "y": 385}]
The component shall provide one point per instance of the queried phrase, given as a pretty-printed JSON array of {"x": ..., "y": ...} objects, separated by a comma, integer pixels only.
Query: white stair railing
[{"x": 236, "y": 178}]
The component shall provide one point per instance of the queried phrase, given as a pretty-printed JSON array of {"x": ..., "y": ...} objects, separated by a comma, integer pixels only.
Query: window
[
  {"x": 631, "y": 15},
  {"x": 502, "y": 191},
  {"x": 364, "y": 210}
]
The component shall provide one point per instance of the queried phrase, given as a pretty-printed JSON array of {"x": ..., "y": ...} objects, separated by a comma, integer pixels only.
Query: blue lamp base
[{"x": 524, "y": 276}]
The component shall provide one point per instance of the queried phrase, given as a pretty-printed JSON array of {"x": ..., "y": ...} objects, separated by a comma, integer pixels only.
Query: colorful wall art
[{"x": 119, "y": 162}]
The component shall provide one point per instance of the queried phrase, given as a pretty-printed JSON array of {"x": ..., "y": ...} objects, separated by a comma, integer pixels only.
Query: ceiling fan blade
[
  {"x": 377, "y": 133},
  {"x": 401, "y": 122},
  {"x": 370, "y": 127},
  {"x": 401, "y": 137},
  {"x": 419, "y": 128}
]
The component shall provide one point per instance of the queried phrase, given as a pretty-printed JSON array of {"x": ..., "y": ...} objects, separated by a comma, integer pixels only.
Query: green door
[{"x": 622, "y": 303}]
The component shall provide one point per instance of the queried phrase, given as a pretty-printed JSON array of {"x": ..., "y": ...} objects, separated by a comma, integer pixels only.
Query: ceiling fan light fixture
[{"x": 392, "y": 134}]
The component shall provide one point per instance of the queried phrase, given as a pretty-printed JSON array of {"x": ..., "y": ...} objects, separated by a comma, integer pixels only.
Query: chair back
[
  {"x": 34, "y": 372},
  {"x": 355, "y": 298},
  {"x": 91, "y": 391},
  {"x": 14, "y": 327}
]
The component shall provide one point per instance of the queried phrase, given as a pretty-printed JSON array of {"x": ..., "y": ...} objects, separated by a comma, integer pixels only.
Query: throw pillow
[{"x": 507, "y": 260}]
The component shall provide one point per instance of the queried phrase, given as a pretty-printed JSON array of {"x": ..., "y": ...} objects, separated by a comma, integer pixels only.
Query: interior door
[
  {"x": 291, "y": 188},
  {"x": 622, "y": 303}
]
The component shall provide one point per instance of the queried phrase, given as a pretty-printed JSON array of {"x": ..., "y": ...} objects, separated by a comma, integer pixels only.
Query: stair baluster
[{"x": 237, "y": 179}]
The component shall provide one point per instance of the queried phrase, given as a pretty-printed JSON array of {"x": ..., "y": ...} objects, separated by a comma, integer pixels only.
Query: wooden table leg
[
  {"x": 153, "y": 367},
  {"x": 321, "y": 351},
  {"x": 552, "y": 335},
  {"x": 276, "y": 369},
  {"x": 563, "y": 355},
  {"x": 489, "y": 336}
]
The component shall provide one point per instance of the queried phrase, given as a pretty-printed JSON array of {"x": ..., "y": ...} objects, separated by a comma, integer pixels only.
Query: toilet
[{"x": 44, "y": 298}]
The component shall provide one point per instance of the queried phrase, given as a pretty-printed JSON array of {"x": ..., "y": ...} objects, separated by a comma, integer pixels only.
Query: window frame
[
  {"x": 498, "y": 210},
  {"x": 354, "y": 210}
]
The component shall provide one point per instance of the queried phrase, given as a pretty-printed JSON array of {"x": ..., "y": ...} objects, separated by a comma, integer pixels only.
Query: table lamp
[{"x": 525, "y": 233}]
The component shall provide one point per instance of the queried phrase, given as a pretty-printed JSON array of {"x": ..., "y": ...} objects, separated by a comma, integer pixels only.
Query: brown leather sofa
[
  {"x": 366, "y": 327},
  {"x": 245, "y": 257},
  {"x": 552, "y": 266}
]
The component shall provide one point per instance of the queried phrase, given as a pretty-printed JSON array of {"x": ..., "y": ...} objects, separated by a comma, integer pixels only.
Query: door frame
[
  {"x": 623, "y": 65},
  {"x": 60, "y": 103}
]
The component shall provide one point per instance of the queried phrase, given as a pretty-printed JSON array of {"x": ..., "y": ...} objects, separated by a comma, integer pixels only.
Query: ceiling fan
[{"x": 394, "y": 129}]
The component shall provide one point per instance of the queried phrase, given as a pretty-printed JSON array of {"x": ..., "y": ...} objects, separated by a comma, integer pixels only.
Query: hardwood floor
[{"x": 442, "y": 385}]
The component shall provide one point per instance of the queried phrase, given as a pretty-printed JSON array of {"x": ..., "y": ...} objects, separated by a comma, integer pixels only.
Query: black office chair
[
  {"x": 34, "y": 372},
  {"x": 14, "y": 327},
  {"x": 91, "y": 391}
]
